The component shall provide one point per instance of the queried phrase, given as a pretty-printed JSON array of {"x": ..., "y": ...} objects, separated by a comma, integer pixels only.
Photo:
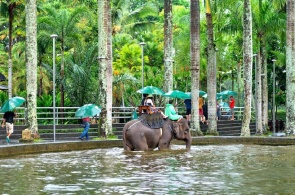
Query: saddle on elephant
[
  {"x": 153, "y": 121},
  {"x": 144, "y": 109}
]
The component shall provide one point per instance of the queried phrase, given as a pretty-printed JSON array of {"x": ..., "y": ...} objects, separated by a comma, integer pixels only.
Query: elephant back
[{"x": 153, "y": 121}]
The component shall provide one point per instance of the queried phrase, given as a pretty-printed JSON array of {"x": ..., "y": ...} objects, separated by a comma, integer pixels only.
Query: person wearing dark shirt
[
  {"x": 205, "y": 112},
  {"x": 8, "y": 122},
  {"x": 188, "y": 106}
]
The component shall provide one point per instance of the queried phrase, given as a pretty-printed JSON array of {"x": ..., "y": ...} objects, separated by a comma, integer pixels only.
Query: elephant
[{"x": 138, "y": 137}]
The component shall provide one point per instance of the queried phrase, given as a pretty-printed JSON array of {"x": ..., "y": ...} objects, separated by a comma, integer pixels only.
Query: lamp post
[
  {"x": 273, "y": 97},
  {"x": 142, "y": 61},
  {"x": 53, "y": 36}
]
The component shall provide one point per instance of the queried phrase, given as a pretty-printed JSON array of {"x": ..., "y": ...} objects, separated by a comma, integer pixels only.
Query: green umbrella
[
  {"x": 88, "y": 110},
  {"x": 177, "y": 94},
  {"x": 150, "y": 90},
  {"x": 201, "y": 93},
  {"x": 12, "y": 103},
  {"x": 221, "y": 96},
  {"x": 228, "y": 93}
]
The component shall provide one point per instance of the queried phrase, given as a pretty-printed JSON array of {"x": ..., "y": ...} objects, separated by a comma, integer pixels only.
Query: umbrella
[
  {"x": 12, "y": 103},
  {"x": 177, "y": 94},
  {"x": 3, "y": 87},
  {"x": 220, "y": 96},
  {"x": 201, "y": 93},
  {"x": 88, "y": 110},
  {"x": 151, "y": 90},
  {"x": 228, "y": 93}
]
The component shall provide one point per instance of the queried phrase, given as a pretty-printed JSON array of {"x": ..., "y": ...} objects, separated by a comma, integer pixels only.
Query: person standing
[
  {"x": 188, "y": 106},
  {"x": 8, "y": 122},
  {"x": 205, "y": 112},
  {"x": 201, "y": 114},
  {"x": 218, "y": 114},
  {"x": 232, "y": 107},
  {"x": 86, "y": 123}
]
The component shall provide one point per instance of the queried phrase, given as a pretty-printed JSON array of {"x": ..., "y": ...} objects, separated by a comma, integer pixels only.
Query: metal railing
[{"x": 66, "y": 115}]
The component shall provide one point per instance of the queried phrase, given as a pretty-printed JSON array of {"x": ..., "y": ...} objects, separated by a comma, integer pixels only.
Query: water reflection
[{"x": 233, "y": 169}]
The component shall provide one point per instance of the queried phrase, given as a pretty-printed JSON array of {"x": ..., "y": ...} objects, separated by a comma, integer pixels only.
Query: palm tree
[
  {"x": 43, "y": 43},
  {"x": 82, "y": 71},
  {"x": 8, "y": 8},
  {"x": 63, "y": 23},
  {"x": 168, "y": 46},
  {"x": 195, "y": 61},
  {"x": 247, "y": 61},
  {"x": 125, "y": 19},
  {"x": 31, "y": 63},
  {"x": 265, "y": 15},
  {"x": 290, "y": 67},
  {"x": 211, "y": 71},
  {"x": 105, "y": 64}
]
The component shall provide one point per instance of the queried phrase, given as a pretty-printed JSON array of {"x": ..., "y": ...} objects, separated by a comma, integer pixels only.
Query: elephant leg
[
  {"x": 141, "y": 144},
  {"x": 126, "y": 147}
]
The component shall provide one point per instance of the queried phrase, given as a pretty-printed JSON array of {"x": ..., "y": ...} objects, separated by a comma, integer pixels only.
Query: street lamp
[
  {"x": 142, "y": 82},
  {"x": 53, "y": 36},
  {"x": 273, "y": 97}
]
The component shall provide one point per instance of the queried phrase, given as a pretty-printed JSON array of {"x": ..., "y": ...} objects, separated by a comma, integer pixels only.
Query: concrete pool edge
[{"x": 61, "y": 146}]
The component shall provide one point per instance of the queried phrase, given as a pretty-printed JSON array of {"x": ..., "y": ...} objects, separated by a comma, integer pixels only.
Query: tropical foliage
[{"x": 133, "y": 22}]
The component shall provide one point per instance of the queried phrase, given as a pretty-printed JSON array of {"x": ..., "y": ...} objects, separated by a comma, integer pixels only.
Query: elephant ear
[{"x": 176, "y": 126}]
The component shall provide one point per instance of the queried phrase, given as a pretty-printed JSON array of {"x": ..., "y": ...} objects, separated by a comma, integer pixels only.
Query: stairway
[
  {"x": 233, "y": 128},
  {"x": 224, "y": 127},
  {"x": 73, "y": 131},
  {"x": 63, "y": 132}
]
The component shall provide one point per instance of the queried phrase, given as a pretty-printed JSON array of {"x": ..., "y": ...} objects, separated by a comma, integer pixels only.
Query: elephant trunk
[{"x": 188, "y": 143}]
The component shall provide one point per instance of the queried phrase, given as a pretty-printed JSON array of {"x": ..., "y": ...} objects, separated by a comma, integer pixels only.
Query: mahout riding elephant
[{"x": 138, "y": 137}]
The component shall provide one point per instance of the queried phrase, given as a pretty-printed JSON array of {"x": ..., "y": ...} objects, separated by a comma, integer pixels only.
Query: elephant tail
[
  {"x": 127, "y": 145},
  {"x": 126, "y": 142}
]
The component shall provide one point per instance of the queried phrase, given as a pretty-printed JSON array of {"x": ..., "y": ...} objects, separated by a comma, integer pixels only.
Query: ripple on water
[{"x": 228, "y": 169}]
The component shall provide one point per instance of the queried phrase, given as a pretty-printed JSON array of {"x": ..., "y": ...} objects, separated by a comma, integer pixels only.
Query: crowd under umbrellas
[{"x": 177, "y": 94}]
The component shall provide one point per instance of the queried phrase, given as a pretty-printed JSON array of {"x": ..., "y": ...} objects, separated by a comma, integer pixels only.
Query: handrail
[{"x": 67, "y": 116}]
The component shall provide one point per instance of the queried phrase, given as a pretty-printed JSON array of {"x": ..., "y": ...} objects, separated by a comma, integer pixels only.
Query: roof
[{"x": 2, "y": 77}]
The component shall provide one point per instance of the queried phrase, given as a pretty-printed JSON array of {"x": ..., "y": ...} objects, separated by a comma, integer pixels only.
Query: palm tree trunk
[
  {"x": 11, "y": 17},
  {"x": 168, "y": 46},
  {"x": 31, "y": 63},
  {"x": 258, "y": 97},
  {"x": 104, "y": 57},
  {"x": 62, "y": 75},
  {"x": 211, "y": 71},
  {"x": 109, "y": 72},
  {"x": 40, "y": 88},
  {"x": 264, "y": 86},
  {"x": 195, "y": 61},
  {"x": 239, "y": 82},
  {"x": 247, "y": 61},
  {"x": 290, "y": 67}
]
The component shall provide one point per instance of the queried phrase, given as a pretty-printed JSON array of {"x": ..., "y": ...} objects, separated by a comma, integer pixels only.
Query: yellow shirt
[{"x": 201, "y": 102}]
